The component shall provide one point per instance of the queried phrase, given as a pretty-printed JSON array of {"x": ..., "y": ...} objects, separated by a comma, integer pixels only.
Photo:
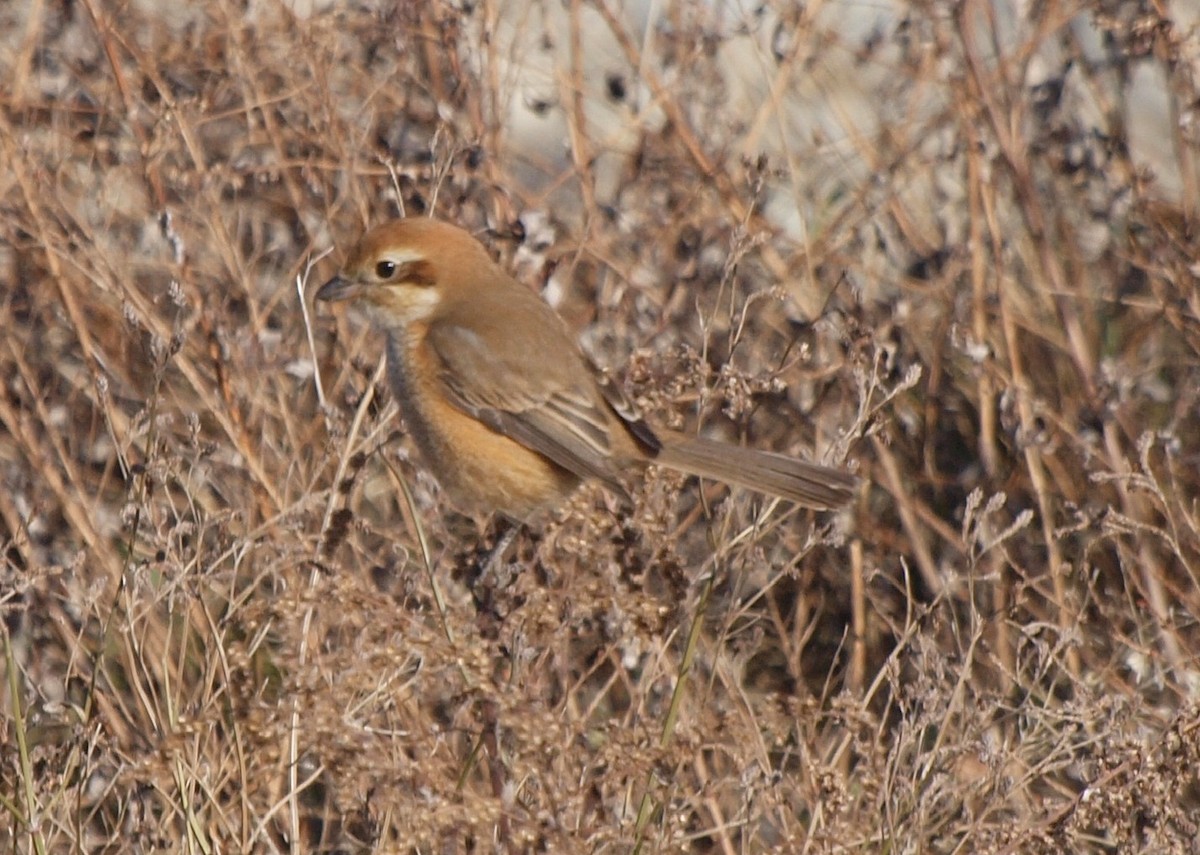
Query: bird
[{"x": 505, "y": 410}]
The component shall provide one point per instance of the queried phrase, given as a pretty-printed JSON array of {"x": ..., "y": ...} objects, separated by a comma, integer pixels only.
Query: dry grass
[{"x": 221, "y": 625}]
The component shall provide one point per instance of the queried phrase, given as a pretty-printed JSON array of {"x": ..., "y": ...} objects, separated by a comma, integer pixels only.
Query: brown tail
[{"x": 763, "y": 471}]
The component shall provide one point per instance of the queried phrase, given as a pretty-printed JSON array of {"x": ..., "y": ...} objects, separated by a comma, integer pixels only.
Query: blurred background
[{"x": 947, "y": 245}]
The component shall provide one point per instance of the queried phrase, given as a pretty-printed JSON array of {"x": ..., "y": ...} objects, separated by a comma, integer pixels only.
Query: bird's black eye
[{"x": 385, "y": 269}]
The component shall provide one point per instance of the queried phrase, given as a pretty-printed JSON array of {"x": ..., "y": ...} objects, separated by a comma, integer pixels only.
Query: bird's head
[{"x": 405, "y": 269}]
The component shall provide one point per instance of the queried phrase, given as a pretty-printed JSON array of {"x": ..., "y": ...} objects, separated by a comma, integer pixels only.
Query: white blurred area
[
  {"x": 836, "y": 94},
  {"x": 773, "y": 83}
]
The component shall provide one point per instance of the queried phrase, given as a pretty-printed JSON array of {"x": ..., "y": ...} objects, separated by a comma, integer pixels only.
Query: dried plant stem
[
  {"x": 647, "y": 804},
  {"x": 30, "y": 817}
]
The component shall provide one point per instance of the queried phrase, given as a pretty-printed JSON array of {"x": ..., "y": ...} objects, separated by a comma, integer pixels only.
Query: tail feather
[{"x": 804, "y": 483}]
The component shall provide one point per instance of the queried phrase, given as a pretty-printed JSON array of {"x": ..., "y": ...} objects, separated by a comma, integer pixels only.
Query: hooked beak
[{"x": 338, "y": 288}]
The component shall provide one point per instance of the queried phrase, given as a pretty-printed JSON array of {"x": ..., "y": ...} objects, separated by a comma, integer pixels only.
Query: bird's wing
[
  {"x": 550, "y": 408},
  {"x": 642, "y": 434}
]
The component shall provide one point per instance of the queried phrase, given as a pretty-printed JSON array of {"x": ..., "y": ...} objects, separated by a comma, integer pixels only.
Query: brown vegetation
[{"x": 237, "y": 617}]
